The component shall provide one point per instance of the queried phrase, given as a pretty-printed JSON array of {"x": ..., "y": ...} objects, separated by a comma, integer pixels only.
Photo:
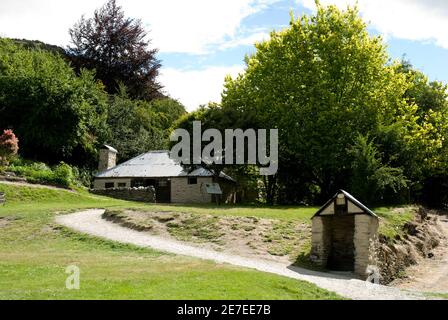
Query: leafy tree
[
  {"x": 118, "y": 49},
  {"x": 428, "y": 95},
  {"x": 135, "y": 128},
  {"x": 425, "y": 153},
  {"x": 169, "y": 110},
  {"x": 321, "y": 82},
  {"x": 371, "y": 179},
  {"x": 9, "y": 146},
  {"x": 57, "y": 114},
  {"x": 211, "y": 118}
]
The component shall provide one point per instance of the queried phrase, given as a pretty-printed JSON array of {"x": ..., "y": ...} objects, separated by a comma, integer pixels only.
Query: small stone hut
[{"x": 344, "y": 235}]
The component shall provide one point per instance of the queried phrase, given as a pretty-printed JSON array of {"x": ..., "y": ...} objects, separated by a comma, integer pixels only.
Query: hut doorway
[{"x": 341, "y": 255}]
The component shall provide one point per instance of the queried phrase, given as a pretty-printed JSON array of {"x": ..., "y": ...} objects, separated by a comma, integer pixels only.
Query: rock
[
  {"x": 423, "y": 213},
  {"x": 411, "y": 228}
]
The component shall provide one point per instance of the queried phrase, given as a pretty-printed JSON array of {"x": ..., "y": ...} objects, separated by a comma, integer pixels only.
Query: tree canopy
[
  {"x": 59, "y": 115},
  {"x": 53, "y": 111},
  {"x": 345, "y": 111},
  {"x": 118, "y": 49}
]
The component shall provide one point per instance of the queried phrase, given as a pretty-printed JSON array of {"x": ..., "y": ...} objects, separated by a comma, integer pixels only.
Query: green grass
[
  {"x": 34, "y": 253},
  {"x": 435, "y": 295},
  {"x": 392, "y": 222},
  {"x": 196, "y": 227}
]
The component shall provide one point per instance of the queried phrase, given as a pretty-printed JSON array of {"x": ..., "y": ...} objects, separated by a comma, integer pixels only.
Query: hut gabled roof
[{"x": 350, "y": 198}]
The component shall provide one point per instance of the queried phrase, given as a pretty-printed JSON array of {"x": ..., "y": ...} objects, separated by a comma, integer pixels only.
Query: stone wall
[
  {"x": 320, "y": 239},
  {"x": 365, "y": 240},
  {"x": 142, "y": 195},
  {"x": 182, "y": 192}
]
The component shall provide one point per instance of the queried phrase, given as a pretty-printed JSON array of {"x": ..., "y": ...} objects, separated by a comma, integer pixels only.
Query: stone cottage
[
  {"x": 171, "y": 182},
  {"x": 344, "y": 235}
]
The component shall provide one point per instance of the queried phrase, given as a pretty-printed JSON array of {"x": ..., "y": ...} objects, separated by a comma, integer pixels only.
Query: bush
[
  {"x": 372, "y": 181},
  {"x": 9, "y": 146},
  {"x": 62, "y": 175},
  {"x": 58, "y": 114}
]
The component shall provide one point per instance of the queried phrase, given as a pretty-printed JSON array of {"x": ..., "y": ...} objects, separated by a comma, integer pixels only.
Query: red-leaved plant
[{"x": 9, "y": 146}]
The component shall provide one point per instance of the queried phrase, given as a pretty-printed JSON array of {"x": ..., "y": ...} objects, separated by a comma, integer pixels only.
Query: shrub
[
  {"x": 372, "y": 180},
  {"x": 62, "y": 175},
  {"x": 9, "y": 146}
]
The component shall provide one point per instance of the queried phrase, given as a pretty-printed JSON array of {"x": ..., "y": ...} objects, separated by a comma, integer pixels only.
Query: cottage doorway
[
  {"x": 163, "y": 191},
  {"x": 342, "y": 251}
]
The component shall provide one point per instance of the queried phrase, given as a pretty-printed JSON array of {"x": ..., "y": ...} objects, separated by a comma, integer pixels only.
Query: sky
[{"x": 201, "y": 41}]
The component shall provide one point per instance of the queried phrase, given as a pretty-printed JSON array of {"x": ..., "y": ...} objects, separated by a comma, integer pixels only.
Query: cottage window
[
  {"x": 192, "y": 180},
  {"x": 122, "y": 185},
  {"x": 109, "y": 185}
]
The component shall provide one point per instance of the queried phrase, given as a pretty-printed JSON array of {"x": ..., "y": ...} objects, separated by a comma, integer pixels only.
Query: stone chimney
[{"x": 108, "y": 158}]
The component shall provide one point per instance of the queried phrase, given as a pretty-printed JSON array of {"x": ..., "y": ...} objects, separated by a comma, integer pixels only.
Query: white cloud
[
  {"x": 195, "y": 26},
  {"x": 196, "y": 87},
  {"x": 405, "y": 19},
  {"x": 44, "y": 20},
  {"x": 244, "y": 41}
]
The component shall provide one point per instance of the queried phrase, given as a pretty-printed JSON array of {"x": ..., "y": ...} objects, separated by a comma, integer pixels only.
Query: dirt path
[
  {"x": 430, "y": 275},
  {"x": 90, "y": 222}
]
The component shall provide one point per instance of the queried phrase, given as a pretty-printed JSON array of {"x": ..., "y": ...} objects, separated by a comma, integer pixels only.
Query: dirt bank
[
  {"x": 269, "y": 239},
  {"x": 429, "y": 274},
  {"x": 417, "y": 244}
]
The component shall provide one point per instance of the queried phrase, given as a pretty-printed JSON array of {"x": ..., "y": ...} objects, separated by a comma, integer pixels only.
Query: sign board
[{"x": 213, "y": 188}]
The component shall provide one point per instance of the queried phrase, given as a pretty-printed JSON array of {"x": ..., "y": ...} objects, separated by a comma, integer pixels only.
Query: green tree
[
  {"x": 118, "y": 49},
  {"x": 428, "y": 95},
  {"x": 321, "y": 82},
  {"x": 57, "y": 114},
  {"x": 135, "y": 127},
  {"x": 169, "y": 111},
  {"x": 371, "y": 179}
]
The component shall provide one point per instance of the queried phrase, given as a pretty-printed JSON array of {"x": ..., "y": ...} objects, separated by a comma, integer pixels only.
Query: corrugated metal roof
[{"x": 153, "y": 164}]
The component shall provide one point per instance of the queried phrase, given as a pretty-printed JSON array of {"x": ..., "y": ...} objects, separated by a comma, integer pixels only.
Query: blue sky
[{"x": 200, "y": 41}]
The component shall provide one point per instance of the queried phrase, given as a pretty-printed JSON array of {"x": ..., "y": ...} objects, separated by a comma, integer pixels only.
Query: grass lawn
[
  {"x": 433, "y": 295},
  {"x": 34, "y": 253}
]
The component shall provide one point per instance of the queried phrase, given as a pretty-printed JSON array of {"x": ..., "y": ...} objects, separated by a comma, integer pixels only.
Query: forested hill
[{"x": 36, "y": 44}]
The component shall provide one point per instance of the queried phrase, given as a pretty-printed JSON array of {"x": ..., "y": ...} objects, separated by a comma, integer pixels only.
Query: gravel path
[{"x": 90, "y": 222}]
